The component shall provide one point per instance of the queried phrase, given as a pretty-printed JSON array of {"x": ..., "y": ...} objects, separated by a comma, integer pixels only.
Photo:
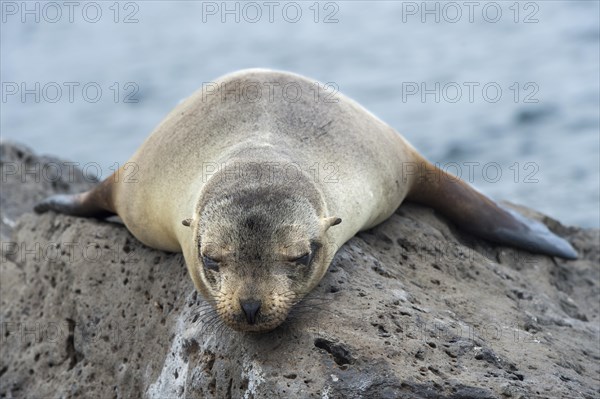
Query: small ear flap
[
  {"x": 331, "y": 221},
  {"x": 186, "y": 222}
]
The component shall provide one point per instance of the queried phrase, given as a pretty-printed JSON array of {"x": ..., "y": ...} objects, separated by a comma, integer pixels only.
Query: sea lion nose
[{"x": 250, "y": 308}]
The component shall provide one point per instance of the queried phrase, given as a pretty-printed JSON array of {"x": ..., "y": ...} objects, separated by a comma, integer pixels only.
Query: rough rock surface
[
  {"x": 413, "y": 308},
  {"x": 28, "y": 178}
]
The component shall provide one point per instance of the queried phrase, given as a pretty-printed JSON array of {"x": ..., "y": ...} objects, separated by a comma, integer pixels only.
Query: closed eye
[
  {"x": 306, "y": 258},
  {"x": 303, "y": 259},
  {"x": 210, "y": 263}
]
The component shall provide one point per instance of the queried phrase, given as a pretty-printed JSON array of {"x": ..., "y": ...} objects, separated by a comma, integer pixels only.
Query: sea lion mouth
[
  {"x": 257, "y": 327},
  {"x": 254, "y": 315}
]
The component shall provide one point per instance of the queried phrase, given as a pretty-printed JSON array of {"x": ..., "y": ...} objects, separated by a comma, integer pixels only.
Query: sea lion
[{"x": 259, "y": 177}]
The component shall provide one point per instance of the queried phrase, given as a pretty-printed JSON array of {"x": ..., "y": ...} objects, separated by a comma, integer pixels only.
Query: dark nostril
[{"x": 250, "y": 308}]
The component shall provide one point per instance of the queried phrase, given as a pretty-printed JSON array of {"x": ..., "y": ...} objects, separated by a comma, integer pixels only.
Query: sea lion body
[
  {"x": 278, "y": 138},
  {"x": 356, "y": 159}
]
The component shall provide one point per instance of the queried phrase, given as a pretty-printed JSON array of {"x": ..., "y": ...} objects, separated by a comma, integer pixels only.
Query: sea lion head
[{"x": 260, "y": 252}]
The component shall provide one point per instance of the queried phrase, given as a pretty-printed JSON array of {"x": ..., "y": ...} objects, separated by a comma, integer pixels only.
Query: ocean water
[{"x": 505, "y": 94}]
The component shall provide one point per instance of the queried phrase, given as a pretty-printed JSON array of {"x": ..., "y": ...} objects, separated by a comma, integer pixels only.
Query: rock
[
  {"x": 27, "y": 178},
  {"x": 413, "y": 308}
]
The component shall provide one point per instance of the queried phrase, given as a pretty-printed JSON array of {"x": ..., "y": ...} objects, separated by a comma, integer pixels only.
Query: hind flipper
[
  {"x": 481, "y": 216},
  {"x": 536, "y": 237},
  {"x": 96, "y": 202}
]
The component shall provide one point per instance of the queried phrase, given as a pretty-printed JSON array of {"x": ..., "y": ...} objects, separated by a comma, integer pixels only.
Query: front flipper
[
  {"x": 96, "y": 202},
  {"x": 482, "y": 217}
]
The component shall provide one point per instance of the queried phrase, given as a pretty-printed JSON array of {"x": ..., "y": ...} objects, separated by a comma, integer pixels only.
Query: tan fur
[
  {"x": 355, "y": 155},
  {"x": 206, "y": 184}
]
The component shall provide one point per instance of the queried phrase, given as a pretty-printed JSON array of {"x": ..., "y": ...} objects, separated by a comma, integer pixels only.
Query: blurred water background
[{"x": 534, "y": 143}]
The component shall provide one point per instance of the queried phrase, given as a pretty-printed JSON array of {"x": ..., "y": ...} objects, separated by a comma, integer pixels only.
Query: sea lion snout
[{"x": 250, "y": 307}]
